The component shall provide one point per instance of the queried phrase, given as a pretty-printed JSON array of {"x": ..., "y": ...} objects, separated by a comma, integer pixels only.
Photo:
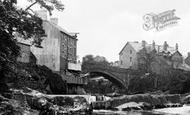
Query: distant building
[
  {"x": 133, "y": 53},
  {"x": 59, "y": 52}
]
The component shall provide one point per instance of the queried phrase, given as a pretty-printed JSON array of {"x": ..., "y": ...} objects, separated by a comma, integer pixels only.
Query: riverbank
[
  {"x": 143, "y": 102},
  {"x": 31, "y": 102}
]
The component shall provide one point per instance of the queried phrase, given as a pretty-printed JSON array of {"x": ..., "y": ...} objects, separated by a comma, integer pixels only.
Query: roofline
[
  {"x": 177, "y": 52},
  {"x": 69, "y": 35},
  {"x": 60, "y": 30},
  {"x": 123, "y": 47}
]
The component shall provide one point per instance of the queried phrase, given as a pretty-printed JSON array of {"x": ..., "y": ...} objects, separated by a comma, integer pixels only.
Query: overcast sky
[{"x": 105, "y": 26}]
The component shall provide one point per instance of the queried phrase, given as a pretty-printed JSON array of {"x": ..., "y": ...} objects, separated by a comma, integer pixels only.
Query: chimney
[
  {"x": 165, "y": 46},
  {"x": 42, "y": 14},
  {"x": 188, "y": 54},
  {"x": 153, "y": 45},
  {"x": 176, "y": 46},
  {"x": 158, "y": 49},
  {"x": 54, "y": 20},
  {"x": 143, "y": 43}
]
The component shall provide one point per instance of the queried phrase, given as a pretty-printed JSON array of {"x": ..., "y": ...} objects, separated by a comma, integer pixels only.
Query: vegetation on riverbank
[
  {"x": 35, "y": 77},
  {"x": 143, "y": 102},
  {"x": 32, "y": 102},
  {"x": 174, "y": 81}
]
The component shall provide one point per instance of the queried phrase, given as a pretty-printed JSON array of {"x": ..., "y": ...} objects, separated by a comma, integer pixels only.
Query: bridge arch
[{"x": 108, "y": 75}]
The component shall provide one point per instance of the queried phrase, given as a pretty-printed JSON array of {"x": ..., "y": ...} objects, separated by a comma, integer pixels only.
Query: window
[
  {"x": 121, "y": 62},
  {"x": 130, "y": 59},
  {"x": 130, "y": 51}
]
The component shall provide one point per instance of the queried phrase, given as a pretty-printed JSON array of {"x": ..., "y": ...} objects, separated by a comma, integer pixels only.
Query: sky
[{"x": 105, "y": 26}]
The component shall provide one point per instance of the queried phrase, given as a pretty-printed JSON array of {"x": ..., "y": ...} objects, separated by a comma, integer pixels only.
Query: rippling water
[
  {"x": 105, "y": 112},
  {"x": 184, "y": 110}
]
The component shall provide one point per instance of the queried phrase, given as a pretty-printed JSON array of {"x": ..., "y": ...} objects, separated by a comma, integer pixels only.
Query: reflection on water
[{"x": 103, "y": 112}]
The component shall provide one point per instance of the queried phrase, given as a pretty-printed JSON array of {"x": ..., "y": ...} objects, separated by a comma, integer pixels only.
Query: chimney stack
[
  {"x": 176, "y": 46},
  {"x": 42, "y": 14},
  {"x": 54, "y": 20},
  {"x": 153, "y": 45},
  {"x": 188, "y": 54},
  {"x": 158, "y": 49},
  {"x": 143, "y": 43},
  {"x": 165, "y": 46}
]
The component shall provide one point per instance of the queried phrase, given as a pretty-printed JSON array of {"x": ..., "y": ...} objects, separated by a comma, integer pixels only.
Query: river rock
[{"x": 150, "y": 101}]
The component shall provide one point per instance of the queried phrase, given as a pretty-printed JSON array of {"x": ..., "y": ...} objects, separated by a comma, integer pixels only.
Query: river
[
  {"x": 185, "y": 110},
  {"x": 105, "y": 112}
]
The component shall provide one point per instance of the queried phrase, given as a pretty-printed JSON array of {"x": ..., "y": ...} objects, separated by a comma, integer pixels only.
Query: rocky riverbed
[
  {"x": 31, "y": 102},
  {"x": 143, "y": 102}
]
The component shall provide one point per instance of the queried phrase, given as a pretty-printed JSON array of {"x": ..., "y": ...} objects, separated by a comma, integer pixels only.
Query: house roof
[
  {"x": 61, "y": 29},
  {"x": 177, "y": 52},
  {"x": 159, "y": 48},
  {"x": 136, "y": 45}
]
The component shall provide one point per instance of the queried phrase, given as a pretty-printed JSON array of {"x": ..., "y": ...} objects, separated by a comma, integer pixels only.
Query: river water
[
  {"x": 184, "y": 110},
  {"x": 105, "y": 112}
]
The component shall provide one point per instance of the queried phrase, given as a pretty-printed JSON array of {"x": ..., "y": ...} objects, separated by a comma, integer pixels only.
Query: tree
[
  {"x": 14, "y": 22},
  {"x": 90, "y": 59},
  {"x": 145, "y": 59},
  {"x": 97, "y": 60}
]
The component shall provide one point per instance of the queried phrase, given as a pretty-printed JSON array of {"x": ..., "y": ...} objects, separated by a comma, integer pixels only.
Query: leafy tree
[
  {"x": 90, "y": 59},
  {"x": 14, "y": 22},
  {"x": 145, "y": 59}
]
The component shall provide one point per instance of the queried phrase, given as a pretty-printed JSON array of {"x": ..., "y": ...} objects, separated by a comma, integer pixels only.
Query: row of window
[{"x": 130, "y": 59}]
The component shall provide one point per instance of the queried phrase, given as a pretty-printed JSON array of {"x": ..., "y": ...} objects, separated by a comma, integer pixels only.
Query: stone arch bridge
[{"x": 118, "y": 76}]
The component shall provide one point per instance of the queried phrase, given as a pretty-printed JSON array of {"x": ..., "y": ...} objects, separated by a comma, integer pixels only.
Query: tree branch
[{"x": 30, "y": 6}]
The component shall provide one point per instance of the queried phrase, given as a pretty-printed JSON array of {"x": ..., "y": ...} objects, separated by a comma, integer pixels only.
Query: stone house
[
  {"x": 128, "y": 55},
  {"x": 59, "y": 52},
  {"x": 137, "y": 55}
]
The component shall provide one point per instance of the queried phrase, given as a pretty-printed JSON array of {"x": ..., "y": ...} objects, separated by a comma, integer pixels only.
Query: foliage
[
  {"x": 97, "y": 60},
  {"x": 145, "y": 59},
  {"x": 38, "y": 77},
  {"x": 48, "y": 4},
  {"x": 141, "y": 84},
  {"x": 16, "y": 22},
  {"x": 176, "y": 81}
]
